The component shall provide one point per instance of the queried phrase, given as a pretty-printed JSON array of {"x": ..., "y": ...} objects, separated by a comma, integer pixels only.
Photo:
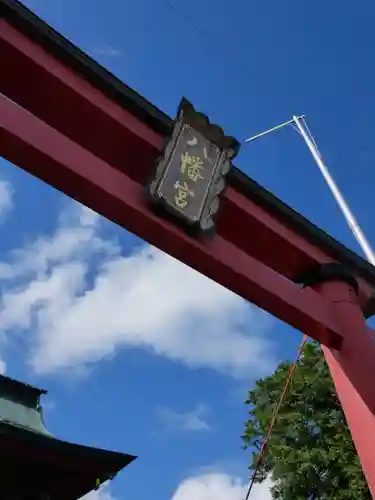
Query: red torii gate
[{"x": 67, "y": 121}]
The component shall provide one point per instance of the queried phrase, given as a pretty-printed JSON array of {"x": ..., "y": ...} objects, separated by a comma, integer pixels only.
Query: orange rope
[{"x": 274, "y": 417}]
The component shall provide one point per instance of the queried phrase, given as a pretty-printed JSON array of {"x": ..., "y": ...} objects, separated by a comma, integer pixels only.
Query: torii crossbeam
[{"x": 67, "y": 121}]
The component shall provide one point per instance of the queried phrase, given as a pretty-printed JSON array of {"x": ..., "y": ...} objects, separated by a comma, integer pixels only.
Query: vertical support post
[{"x": 352, "y": 369}]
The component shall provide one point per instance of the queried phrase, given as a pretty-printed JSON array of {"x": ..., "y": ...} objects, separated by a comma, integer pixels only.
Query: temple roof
[
  {"x": 20, "y": 405},
  {"x": 32, "y": 462},
  {"x": 31, "y": 458},
  {"x": 20, "y": 391}
]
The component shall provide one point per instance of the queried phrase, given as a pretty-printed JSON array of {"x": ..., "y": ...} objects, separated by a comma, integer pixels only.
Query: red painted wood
[
  {"x": 44, "y": 152},
  {"x": 352, "y": 371},
  {"x": 62, "y": 98},
  {"x": 95, "y": 151}
]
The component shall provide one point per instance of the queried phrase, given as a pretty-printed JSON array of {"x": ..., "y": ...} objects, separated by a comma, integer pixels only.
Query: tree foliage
[{"x": 310, "y": 454}]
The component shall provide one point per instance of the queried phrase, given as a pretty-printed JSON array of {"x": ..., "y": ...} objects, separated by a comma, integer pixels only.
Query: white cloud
[
  {"x": 84, "y": 300},
  {"x": 3, "y": 367},
  {"x": 220, "y": 486},
  {"x": 215, "y": 486},
  {"x": 75, "y": 238},
  {"x": 6, "y": 199},
  {"x": 191, "y": 421}
]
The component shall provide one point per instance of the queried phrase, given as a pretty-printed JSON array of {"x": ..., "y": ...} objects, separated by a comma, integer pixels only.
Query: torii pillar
[{"x": 67, "y": 121}]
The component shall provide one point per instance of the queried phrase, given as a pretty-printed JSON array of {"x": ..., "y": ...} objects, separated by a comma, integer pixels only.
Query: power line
[
  {"x": 274, "y": 418},
  {"x": 206, "y": 37}
]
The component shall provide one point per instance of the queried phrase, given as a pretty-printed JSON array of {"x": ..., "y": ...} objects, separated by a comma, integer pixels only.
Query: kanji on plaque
[
  {"x": 192, "y": 166},
  {"x": 190, "y": 174},
  {"x": 186, "y": 181},
  {"x": 182, "y": 195}
]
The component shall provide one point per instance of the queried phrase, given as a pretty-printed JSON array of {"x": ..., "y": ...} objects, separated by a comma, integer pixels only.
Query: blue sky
[{"x": 83, "y": 303}]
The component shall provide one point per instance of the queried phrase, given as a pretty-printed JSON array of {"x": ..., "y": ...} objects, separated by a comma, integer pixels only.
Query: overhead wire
[
  {"x": 206, "y": 38},
  {"x": 185, "y": 18},
  {"x": 263, "y": 448}
]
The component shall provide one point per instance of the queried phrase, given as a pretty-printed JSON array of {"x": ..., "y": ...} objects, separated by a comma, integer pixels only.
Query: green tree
[{"x": 310, "y": 454}]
